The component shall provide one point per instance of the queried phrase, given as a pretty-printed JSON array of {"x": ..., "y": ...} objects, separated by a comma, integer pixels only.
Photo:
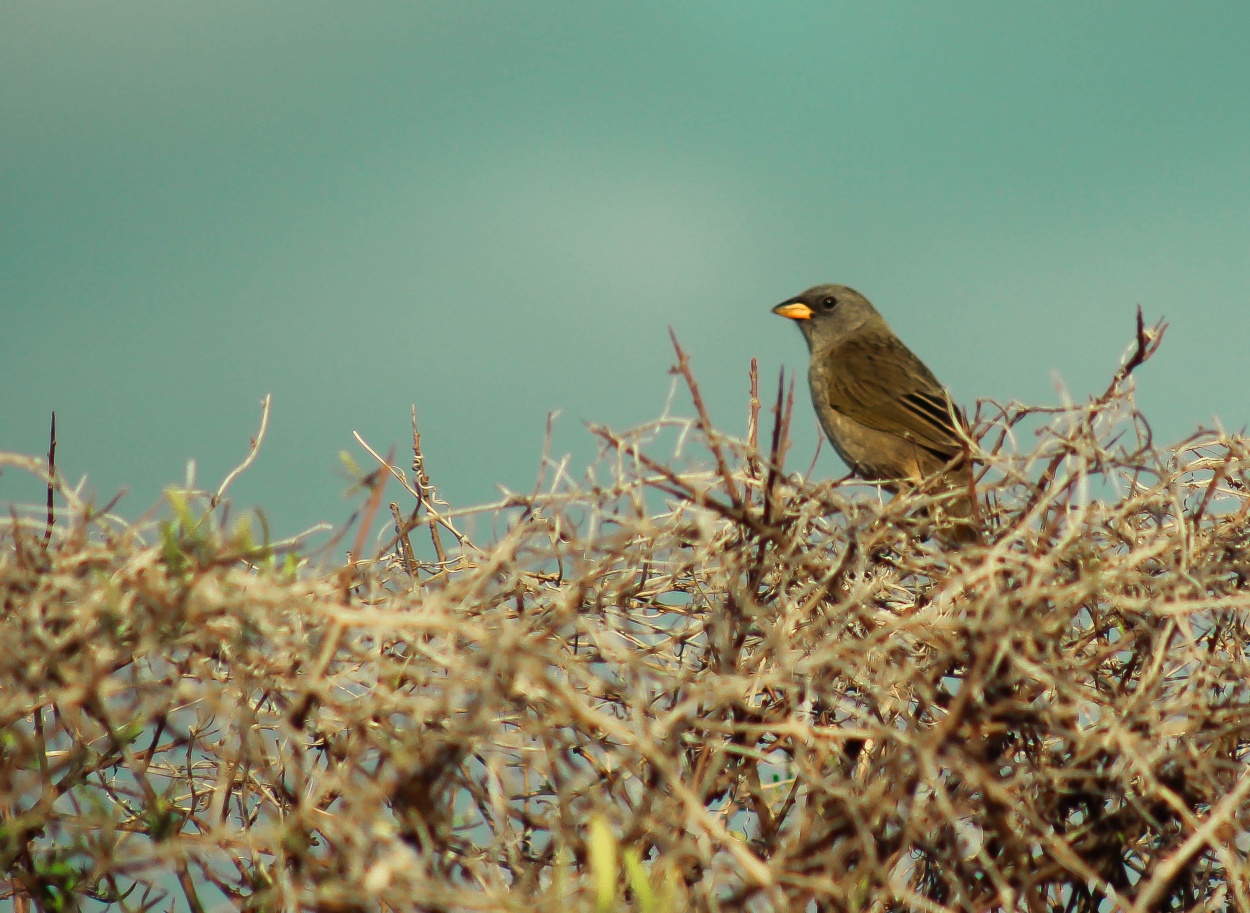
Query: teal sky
[{"x": 495, "y": 210}]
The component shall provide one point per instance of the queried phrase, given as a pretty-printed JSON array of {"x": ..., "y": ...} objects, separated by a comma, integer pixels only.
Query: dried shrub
[{"x": 691, "y": 681}]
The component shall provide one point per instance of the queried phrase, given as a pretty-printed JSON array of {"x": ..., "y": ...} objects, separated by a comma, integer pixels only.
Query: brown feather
[{"x": 880, "y": 383}]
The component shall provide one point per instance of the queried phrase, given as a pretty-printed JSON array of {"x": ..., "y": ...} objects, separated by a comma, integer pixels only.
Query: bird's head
[{"x": 827, "y": 313}]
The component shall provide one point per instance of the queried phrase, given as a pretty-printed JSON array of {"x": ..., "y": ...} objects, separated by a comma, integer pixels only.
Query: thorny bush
[{"x": 688, "y": 682}]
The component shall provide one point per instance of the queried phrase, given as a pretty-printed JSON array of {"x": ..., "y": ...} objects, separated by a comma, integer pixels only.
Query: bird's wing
[{"x": 877, "y": 381}]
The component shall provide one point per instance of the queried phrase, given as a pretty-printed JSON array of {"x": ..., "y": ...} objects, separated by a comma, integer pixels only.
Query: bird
[{"x": 881, "y": 407}]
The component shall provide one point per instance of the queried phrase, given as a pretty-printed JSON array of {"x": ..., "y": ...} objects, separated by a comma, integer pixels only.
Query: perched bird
[{"x": 881, "y": 407}]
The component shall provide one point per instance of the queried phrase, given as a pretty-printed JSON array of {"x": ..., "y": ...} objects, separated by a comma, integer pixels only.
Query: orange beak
[{"x": 795, "y": 310}]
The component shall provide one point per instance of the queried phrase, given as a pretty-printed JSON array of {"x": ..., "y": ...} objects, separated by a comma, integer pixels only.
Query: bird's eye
[{"x": 828, "y": 303}]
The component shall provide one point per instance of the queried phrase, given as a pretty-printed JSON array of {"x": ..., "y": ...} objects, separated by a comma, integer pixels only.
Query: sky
[{"x": 495, "y": 211}]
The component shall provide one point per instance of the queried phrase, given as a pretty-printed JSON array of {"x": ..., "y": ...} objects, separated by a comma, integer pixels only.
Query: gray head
[{"x": 828, "y": 313}]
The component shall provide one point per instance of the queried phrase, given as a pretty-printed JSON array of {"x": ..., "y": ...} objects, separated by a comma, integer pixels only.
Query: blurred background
[{"x": 496, "y": 210}]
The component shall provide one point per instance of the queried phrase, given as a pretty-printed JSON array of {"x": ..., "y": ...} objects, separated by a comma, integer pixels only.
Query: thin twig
[
  {"x": 753, "y": 421},
  {"x": 47, "y": 530},
  {"x": 780, "y": 443},
  {"x": 1166, "y": 872},
  {"x": 435, "y": 516},
  {"x": 402, "y": 528},
  {"x": 425, "y": 489},
  {"x": 705, "y": 423},
  {"x": 253, "y": 449},
  {"x": 1147, "y": 343}
]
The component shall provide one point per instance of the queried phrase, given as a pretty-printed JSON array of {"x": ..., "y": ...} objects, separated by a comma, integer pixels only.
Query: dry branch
[{"x": 672, "y": 686}]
